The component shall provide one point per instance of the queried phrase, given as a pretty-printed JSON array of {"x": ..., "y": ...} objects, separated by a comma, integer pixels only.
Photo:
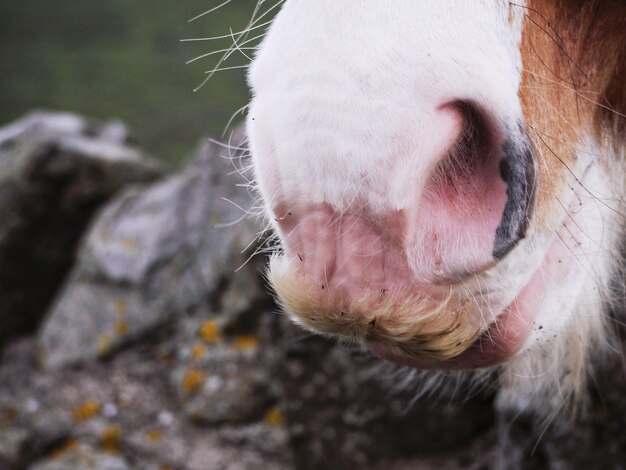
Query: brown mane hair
[{"x": 574, "y": 64}]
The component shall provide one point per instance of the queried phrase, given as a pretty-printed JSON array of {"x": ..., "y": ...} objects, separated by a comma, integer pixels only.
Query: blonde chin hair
[{"x": 418, "y": 327}]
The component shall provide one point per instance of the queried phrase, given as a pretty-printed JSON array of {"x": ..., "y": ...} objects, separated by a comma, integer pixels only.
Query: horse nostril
[
  {"x": 481, "y": 153},
  {"x": 472, "y": 157},
  {"x": 477, "y": 200},
  {"x": 477, "y": 136}
]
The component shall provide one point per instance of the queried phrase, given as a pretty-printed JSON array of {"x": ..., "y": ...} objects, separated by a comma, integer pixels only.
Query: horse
[{"x": 446, "y": 181}]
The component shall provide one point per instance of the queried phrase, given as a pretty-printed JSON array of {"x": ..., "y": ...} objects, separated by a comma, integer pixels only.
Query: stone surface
[
  {"x": 594, "y": 440},
  {"x": 324, "y": 407},
  {"x": 345, "y": 410},
  {"x": 125, "y": 408},
  {"x": 154, "y": 253},
  {"x": 81, "y": 457},
  {"x": 56, "y": 170},
  {"x": 217, "y": 377}
]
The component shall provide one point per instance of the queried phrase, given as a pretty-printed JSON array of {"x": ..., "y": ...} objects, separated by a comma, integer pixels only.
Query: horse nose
[{"x": 465, "y": 201}]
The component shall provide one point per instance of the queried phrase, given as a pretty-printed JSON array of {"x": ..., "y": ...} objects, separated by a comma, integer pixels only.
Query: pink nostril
[
  {"x": 470, "y": 167},
  {"x": 474, "y": 208}
]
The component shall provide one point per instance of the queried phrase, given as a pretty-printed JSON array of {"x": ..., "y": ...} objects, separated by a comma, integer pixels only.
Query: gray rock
[
  {"x": 217, "y": 377},
  {"x": 268, "y": 437},
  {"x": 56, "y": 170},
  {"x": 156, "y": 253},
  {"x": 81, "y": 457},
  {"x": 343, "y": 411},
  {"x": 131, "y": 395},
  {"x": 12, "y": 441},
  {"x": 594, "y": 439}
]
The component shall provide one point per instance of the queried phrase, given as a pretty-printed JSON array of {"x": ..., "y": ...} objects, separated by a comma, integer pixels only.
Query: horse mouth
[{"x": 435, "y": 328}]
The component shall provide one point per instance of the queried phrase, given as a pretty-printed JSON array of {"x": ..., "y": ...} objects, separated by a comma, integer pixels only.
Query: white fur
[{"x": 350, "y": 107}]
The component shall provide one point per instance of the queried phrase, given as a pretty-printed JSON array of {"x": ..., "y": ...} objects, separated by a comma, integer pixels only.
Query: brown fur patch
[{"x": 572, "y": 83}]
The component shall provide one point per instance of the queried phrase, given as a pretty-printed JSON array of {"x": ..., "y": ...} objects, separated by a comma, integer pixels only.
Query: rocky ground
[{"x": 137, "y": 334}]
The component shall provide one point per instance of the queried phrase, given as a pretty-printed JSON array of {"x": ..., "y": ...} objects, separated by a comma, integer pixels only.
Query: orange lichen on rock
[
  {"x": 105, "y": 341},
  {"x": 67, "y": 446},
  {"x": 155, "y": 435},
  {"x": 87, "y": 410},
  {"x": 121, "y": 305},
  {"x": 274, "y": 417},
  {"x": 246, "y": 342},
  {"x": 110, "y": 439},
  {"x": 198, "y": 350},
  {"x": 7, "y": 416},
  {"x": 129, "y": 243},
  {"x": 192, "y": 379},
  {"x": 121, "y": 327},
  {"x": 210, "y": 331},
  {"x": 165, "y": 356}
]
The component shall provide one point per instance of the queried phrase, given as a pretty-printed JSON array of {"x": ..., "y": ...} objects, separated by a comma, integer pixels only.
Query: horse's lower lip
[{"x": 500, "y": 341}]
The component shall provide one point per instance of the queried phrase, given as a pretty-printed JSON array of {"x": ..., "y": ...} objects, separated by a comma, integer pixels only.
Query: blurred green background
[{"x": 124, "y": 59}]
